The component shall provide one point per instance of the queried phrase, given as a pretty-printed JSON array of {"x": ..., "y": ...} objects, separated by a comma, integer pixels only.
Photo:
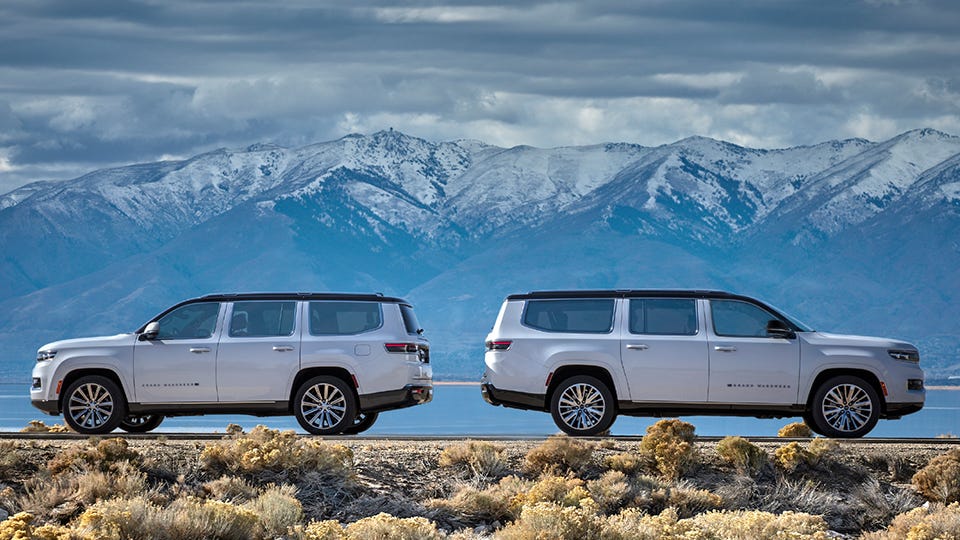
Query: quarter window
[
  {"x": 410, "y": 321},
  {"x": 588, "y": 316},
  {"x": 339, "y": 318},
  {"x": 262, "y": 319},
  {"x": 192, "y": 321},
  {"x": 734, "y": 318},
  {"x": 663, "y": 316}
]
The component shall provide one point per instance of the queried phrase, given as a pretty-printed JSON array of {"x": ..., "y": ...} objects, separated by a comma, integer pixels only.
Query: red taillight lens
[
  {"x": 499, "y": 345},
  {"x": 401, "y": 347}
]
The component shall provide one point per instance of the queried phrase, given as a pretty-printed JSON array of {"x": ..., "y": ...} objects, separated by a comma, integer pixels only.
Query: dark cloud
[{"x": 87, "y": 84}]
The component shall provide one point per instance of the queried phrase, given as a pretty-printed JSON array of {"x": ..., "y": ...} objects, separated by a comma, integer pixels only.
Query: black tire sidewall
[
  {"x": 359, "y": 427},
  {"x": 150, "y": 425},
  {"x": 350, "y": 401},
  {"x": 823, "y": 427},
  {"x": 116, "y": 394},
  {"x": 609, "y": 409}
]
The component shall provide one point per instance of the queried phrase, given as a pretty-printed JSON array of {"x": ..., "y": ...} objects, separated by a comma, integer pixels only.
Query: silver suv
[
  {"x": 332, "y": 360},
  {"x": 586, "y": 356}
]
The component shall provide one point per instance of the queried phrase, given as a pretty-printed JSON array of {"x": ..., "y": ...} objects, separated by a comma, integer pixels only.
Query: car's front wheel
[
  {"x": 845, "y": 406},
  {"x": 94, "y": 405},
  {"x": 582, "y": 406},
  {"x": 141, "y": 423},
  {"x": 363, "y": 422},
  {"x": 325, "y": 405}
]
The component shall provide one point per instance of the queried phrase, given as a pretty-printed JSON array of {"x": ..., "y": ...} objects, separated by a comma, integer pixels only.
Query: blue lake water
[{"x": 458, "y": 410}]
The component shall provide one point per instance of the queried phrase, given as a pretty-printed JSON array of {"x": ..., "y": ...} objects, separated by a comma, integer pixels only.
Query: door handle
[
  {"x": 282, "y": 348},
  {"x": 637, "y": 346},
  {"x": 724, "y": 349},
  {"x": 199, "y": 350}
]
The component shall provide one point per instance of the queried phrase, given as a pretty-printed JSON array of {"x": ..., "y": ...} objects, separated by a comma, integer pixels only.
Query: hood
[
  {"x": 824, "y": 338},
  {"x": 80, "y": 343}
]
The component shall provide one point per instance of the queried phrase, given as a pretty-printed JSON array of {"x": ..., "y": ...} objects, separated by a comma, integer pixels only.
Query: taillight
[
  {"x": 401, "y": 347},
  {"x": 498, "y": 345}
]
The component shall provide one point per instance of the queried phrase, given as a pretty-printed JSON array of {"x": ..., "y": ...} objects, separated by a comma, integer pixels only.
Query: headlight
[
  {"x": 905, "y": 354},
  {"x": 45, "y": 355}
]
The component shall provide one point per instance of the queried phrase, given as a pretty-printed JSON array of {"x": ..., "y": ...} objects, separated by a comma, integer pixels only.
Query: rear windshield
[
  {"x": 588, "y": 315},
  {"x": 410, "y": 319},
  {"x": 340, "y": 318}
]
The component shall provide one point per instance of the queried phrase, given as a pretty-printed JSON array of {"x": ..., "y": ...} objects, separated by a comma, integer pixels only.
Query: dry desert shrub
[
  {"x": 278, "y": 510},
  {"x": 792, "y": 455},
  {"x": 562, "y": 490},
  {"x": 270, "y": 452},
  {"x": 625, "y": 462},
  {"x": 551, "y": 521},
  {"x": 104, "y": 455},
  {"x": 11, "y": 457},
  {"x": 329, "y": 529},
  {"x": 940, "y": 479},
  {"x": 758, "y": 525},
  {"x": 933, "y": 523},
  {"x": 386, "y": 527},
  {"x": 795, "y": 430},
  {"x": 670, "y": 444},
  {"x": 20, "y": 527},
  {"x": 230, "y": 488},
  {"x": 498, "y": 502},
  {"x": 182, "y": 519},
  {"x": 37, "y": 426},
  {"x": 479, "y": 457},
  {"x": 559, "y": 454},
  {"x": 67, "y": 493},
  {"x": 610, "y": 491},
  {"x": 746, "y": 457}
]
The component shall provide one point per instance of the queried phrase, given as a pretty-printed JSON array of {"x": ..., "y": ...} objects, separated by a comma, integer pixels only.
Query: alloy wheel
[
  {"x": 847, "y": 407},
  {"x": 323, "y": 406},
  {"x": 91, "y": 406},
  {"x": 581, "y": 406}
]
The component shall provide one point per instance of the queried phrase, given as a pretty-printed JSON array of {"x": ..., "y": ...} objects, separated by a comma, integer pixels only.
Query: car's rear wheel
[
  {"x": 582, "y": 406},
  {"x": 141, "y": 423},
  {"x": 94, "y": 405},
  {"x": 363, "y": 422},
  {"x": 325, "y": 405},
  {"x": 845, "y": 406}
]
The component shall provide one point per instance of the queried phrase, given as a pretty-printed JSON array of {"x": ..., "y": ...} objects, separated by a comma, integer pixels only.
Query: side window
[
  {"x": 339, "y": 318},
  {"x": 589, "y": 316},
  {"x": 192, "y": 321},
  {"x": 262, "y": 319},
  {"x": 734, "y": 318},
  {"x": 663, "y": 316}
]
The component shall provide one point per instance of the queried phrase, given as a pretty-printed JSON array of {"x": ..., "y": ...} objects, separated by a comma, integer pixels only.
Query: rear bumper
[
  {"x": 408, "y": 396},
  {"x": 511, "y": 399}
]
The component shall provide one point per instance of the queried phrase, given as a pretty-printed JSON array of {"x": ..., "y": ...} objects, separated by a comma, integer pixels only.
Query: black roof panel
[{"x": 624, "y": 293}]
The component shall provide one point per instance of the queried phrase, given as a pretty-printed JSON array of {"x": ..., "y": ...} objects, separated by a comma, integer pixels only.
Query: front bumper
[
  {"x": 49, "y": 406},
  {"x": 896, "y": 410},
  {"x": 408, "y": 396}
]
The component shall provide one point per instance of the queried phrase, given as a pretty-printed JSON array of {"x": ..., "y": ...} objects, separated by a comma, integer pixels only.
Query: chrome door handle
[
  {"x": 282, "y": 348},
  {"x": 725, "y": 349},
  {"x": 199, "y": 350},
  {"x": 637, "y": 346}
]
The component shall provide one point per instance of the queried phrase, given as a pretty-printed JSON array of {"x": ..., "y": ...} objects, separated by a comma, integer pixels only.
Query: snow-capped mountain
[{"x": 851, "y": 235}]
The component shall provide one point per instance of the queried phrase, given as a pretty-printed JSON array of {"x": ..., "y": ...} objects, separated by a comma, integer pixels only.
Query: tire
[
  {"x": 361, "y": 423},
  {"x": 808, "y": 420},
  {"x": 94, "y": 405},
  {"x": 582, "y": 406},
  {"x": 141, "y": 423},
  {"x": 845, "y": 407},
  {"x": 325, "y": 405}
]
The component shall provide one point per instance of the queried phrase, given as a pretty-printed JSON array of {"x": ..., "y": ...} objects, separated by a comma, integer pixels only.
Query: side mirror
[
  {"x": 778, "y": 329},
  {"x": 150, "y": 332}
]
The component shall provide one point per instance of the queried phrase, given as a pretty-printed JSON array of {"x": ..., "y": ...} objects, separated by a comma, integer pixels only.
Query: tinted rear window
[
  {"x": 409, "y": 319},
  {"x": 262, "y": 319},
  {"x": 589, "y": 316},
  {"x": 338, "y": 318}
]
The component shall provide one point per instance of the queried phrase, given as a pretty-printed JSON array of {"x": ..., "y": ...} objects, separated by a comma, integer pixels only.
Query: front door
[
  {"x": 259, "y": 351},
  {"x": 180, "y": 364},
  {"x": 746, "y": 365},
  {"x": 664, "y": 350}
]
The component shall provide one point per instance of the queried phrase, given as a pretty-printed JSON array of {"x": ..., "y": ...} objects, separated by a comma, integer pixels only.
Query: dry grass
[
  {"x": 480, "y": 458},
  {"x": 746, "y": 457},
  {"x": 933, "y": 523},
  {"x": 551, "y": 521},
  {"x": 940, "y": 479},
  {"x": 560, "y": 454},
  {"x": 37, "y": 426},
  {"x": 795, "y": 430},
  {"x": 104, "y": 455},
  {"x": 498, "y": 502},
  {"x": 625, "y": 462},
  {"x": 670, "y": 444}
]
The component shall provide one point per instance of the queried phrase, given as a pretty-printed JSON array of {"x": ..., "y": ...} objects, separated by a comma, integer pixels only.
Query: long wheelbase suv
[
  {"x": 587, "y": 356},
  {"x": 332, "y": 360}
]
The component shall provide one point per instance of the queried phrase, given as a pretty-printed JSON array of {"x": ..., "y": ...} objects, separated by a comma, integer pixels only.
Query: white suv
[
  {"x": 586, "y": 356},
  {"x": 332, "y": 360}
]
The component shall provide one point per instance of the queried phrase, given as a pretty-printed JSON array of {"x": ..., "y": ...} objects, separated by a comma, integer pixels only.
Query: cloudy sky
[{"x": 87, "y": 84}]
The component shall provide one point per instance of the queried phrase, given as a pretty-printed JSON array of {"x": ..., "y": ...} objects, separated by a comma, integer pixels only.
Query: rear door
[
  {"x": 747, "y": 366},
  {"x": 664, "y": 350},
  {"x": 259, "y": 351}
]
